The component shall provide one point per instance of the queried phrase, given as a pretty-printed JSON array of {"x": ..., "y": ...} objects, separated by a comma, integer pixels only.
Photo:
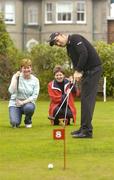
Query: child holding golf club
[
  {"x": 24, "y": 90},
  {"x": 61, "y": 92}
]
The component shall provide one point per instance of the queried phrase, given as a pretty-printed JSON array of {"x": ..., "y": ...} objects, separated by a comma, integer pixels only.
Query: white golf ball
[{"x": 50, "y": 166}]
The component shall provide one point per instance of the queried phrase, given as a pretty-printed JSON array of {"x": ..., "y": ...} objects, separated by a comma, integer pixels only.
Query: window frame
[
  {"x": 13, "y": 13},
  {"x": 71, "y": 12},
  {"x": 111, "y": 10},
  {"x": 47, "y": 12},
  {"x": 32, "y": 15},
  {"x": 81, "y": 12}
]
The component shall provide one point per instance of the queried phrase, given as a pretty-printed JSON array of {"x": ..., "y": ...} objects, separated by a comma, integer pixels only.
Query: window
[
  {"x": 112, "y": 9},
  {"x": 49, "y": 12},
  {"x": 33, "y": 15},
  {"x": 64, "y": 12},
  {"x": 9, "y": 13},
  {"x": 81, "y": 12}
]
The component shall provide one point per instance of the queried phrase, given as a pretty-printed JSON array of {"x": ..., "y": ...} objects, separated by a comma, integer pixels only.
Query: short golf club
[{"x": 53, "y": 118}]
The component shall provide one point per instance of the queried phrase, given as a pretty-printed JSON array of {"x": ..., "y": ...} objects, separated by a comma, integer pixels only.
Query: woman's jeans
[{"x": 16, "y": 113}]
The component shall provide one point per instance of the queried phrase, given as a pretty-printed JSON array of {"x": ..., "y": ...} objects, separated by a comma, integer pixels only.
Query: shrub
[
  {"x": 44, "y": 60},
  {"x": 106, "y": 53}
]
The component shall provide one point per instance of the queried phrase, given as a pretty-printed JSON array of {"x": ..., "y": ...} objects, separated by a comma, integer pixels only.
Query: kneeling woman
[
  {"x": 24, "y": 90},
  {"x": 58, "y": 90}
]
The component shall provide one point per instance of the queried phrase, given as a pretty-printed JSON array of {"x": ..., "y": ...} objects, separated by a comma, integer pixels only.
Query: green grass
[{"x": 26, "y": 153}]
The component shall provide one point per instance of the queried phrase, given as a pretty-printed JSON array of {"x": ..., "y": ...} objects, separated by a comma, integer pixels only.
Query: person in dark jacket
[
  {"x": 87, "y": 69},
  {"x": 57, "y": 90}
]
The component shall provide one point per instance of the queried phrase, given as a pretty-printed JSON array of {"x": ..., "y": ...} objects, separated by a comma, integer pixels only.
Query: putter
[
  {"x": 66, "y": 110},
  {"x": 53, "y": 117}
]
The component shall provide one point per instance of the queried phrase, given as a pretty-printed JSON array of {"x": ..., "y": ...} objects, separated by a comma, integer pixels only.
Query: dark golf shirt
[{"x": 83, "y": 55}]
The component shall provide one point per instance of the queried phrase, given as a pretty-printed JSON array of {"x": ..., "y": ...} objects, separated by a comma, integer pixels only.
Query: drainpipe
[
  {"x": 92, "y": 20},
  {"x": 23, "y": 36}
]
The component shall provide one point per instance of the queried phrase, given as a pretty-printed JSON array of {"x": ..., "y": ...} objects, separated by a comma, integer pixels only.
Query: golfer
[
  {"x": 87, "y": 69},
  {"x": 24, "y": 90},
  {"x": 57, "y": 90}
]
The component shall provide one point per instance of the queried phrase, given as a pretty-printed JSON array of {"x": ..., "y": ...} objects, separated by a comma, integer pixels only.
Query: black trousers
[{"x": 89, "y": 88}]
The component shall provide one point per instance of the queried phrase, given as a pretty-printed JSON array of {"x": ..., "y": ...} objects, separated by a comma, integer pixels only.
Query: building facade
[
  {"x": 111, "y": 23},
  {"x": 31, "y": 21}
]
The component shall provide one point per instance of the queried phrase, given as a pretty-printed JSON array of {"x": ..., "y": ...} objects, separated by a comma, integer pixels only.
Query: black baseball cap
[{"x": 52, "y": 38}]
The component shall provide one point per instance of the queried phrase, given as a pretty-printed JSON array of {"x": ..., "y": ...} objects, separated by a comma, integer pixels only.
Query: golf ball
[{"x": 50, "y": 166}]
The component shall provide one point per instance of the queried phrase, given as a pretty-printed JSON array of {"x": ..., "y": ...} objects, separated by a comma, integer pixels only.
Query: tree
[{"x": 8, "y": 54}]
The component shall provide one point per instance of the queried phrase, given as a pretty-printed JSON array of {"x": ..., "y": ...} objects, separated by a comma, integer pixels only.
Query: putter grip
[{"x": 17, "y": 83}]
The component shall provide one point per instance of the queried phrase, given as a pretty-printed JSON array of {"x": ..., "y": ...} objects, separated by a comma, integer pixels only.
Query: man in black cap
[{"x": 87, "y": 69}]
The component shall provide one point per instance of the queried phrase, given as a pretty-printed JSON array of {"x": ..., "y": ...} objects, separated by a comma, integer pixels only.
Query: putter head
[
  {"x": 61, "y": 122},
  {"x": 51, "y": 118}
]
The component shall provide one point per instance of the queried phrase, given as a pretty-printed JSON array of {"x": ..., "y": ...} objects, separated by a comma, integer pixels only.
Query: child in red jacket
[{"x": 58, "y": 89}]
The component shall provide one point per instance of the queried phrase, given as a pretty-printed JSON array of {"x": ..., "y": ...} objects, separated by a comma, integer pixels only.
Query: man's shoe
[
  {"x": 82, "y": 135},
  {"x": 28, "y": 125},
  {"x": 76, "y": 132}
]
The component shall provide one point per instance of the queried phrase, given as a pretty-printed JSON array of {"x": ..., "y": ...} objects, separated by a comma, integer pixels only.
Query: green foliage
[
  {"x": 5, "y": 40},
  {"x": 45, "y": 58},
  {"x": 9, "y": 57},
  {"x": 106, "y": 53}
]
